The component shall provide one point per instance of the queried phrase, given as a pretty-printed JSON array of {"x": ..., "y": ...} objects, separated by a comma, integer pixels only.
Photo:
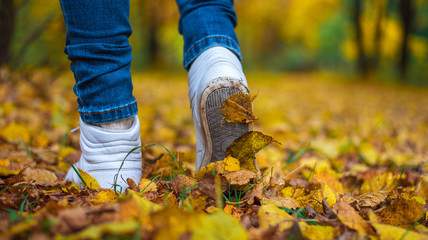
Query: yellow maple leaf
[{"x": 91, "y": 182}]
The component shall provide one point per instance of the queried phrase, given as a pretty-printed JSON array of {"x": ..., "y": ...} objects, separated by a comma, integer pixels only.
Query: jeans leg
[
  {"x": 98, "y": 48},
  {"x": 205, "y": 24}
]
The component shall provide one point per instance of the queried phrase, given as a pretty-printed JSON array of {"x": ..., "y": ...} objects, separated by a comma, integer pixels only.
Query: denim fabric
[
  {"x": 205, "y": 24},
  {"x": 98, "y": 48}
]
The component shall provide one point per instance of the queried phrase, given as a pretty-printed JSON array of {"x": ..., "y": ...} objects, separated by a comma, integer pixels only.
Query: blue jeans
[{"x": 98, "y": 48}]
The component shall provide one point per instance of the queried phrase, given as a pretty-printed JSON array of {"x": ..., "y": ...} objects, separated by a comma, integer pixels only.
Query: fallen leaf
[
  {"x": 238, "y": 108},
  {"x": 72, "y": 220},
  {"x": 272, "y": 216},
  {"x": 17, "y": 178},
  {"x": 215, "y": 167},
  {"x": 207, "y": 185},
  {"x": 384, "y": 182},
  {"x": 40, "y": 176},
  {"x": 401, "y": 212},
  {"x": 231, "y": 164},
  {"x": 316, "y": 232},
  {"x": 132, "y": 184},
  {"x": 91, "y": 182},
  {"x": 98, "y": 231},
  {"x": 173, "y": 223},
  {"x": 287, "y": 202},
  {"x": 233, "y": 211},
  {"x": 245, "y": 147},
  {"x": 314, "y": 194},
  {"x": 254, "y": 194},
  {"x": 147, "y": 185},
  {"x": 182, "y": 183},
  {"x": 372, "y": 199},
  {"x": 4, "y": 172},
  {"x": 348, "y": 216},
  {"x": 105, "y": 196},
  {"x": 388, "y": 232},
  {"x": 218, "y": 225},
  {"x": 326, "y": 178},
  {"x": 240, "y": 178}
]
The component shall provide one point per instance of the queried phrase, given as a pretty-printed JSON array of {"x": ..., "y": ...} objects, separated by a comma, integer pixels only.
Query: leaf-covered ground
[{"x": 352, "y": 163}]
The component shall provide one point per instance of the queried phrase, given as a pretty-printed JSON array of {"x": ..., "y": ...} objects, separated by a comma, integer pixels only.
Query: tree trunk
[
  {"x": 7, "y": 24},
  {"x": 406, "y": 13},
  {"x": 362, "y": 59}
]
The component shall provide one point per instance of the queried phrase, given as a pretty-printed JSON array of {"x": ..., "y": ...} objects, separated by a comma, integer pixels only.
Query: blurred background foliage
[{"x": 372, "y": 39}]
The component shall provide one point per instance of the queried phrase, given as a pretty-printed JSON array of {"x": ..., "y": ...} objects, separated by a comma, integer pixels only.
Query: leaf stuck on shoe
[{"x": 238, "y": 108}]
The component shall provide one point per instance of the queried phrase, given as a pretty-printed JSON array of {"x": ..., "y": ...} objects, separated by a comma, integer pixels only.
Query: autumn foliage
[{"x": 345, "y": 161}]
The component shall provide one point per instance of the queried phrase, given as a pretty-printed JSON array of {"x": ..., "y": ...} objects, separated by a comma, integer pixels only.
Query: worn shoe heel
[{"x": 218, "y": 133}]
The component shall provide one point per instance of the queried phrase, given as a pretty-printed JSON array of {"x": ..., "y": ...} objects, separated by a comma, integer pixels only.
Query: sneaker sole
[{"x": 218, "y": 133}]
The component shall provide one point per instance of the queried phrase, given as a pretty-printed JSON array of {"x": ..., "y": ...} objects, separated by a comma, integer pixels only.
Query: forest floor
[{"x": 349, "y": 161}]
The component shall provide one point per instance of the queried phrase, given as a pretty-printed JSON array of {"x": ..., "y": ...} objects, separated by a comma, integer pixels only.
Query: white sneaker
[
  {"x": 103, "y": 151},
  {"x": 213, "y": 77}
]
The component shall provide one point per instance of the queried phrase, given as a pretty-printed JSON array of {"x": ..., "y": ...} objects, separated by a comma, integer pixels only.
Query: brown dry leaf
[
  {"x": 207, "y": 185},
  {"x": 384, "y": 182},
  {"x": 348, "y": 216},
  {"x": 182, "y": 183},
  {"x": 105, "y": 196},
  {"x": 91, "y": 182},
  {"x": 254, "y": 194},
  {"x": 245, "y": 147},
  {"x": 287, "y": 202},
  {"x": 240, "y": 178},
  {"x": 238, "y": 108},
  {"x": 17, "y": 178},
  {"x": 372, "y": 199},
  {"x": 132, "y": 184},
  {"x": 72, "y": 220},
  {"x": 401, "y": 212},
  {"x": 40, "y": 176}
]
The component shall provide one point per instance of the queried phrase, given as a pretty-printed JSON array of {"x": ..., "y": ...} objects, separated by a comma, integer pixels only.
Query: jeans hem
[
  {"x": 211, "y": 41},
  {"x": 110, "y": 115}
]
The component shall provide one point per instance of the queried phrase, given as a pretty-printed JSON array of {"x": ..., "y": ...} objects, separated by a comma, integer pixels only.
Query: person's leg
[
  {"x": 98, "y": 48},
  {"x": 212, "y": 58}
]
